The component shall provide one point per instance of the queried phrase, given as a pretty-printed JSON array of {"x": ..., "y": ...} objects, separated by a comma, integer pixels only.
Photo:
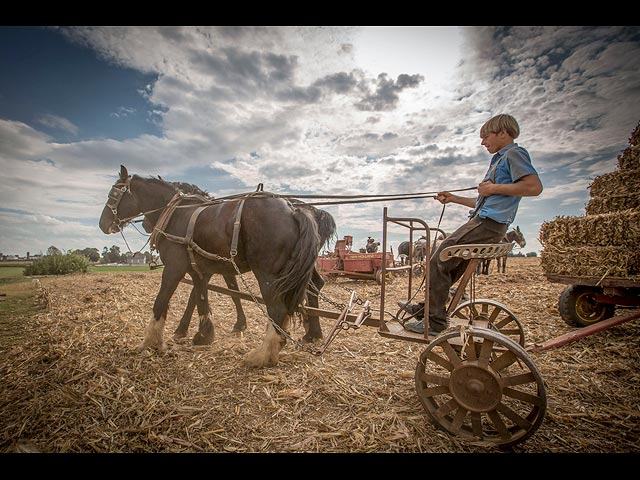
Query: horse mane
[
  {"x": 191, "y": 189},
  {"x": 188, "y": 188}
]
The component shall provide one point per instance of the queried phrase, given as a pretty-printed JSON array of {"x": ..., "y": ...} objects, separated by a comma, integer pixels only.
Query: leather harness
[{"x": 187, "y": 240}]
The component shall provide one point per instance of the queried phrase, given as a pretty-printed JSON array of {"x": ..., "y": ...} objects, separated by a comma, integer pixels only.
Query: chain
[
  {"x": 338, "y": 305},
  {"x": 278, "y": 328}
]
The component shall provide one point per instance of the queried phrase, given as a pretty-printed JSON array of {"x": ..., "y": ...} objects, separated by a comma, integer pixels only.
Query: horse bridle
[{"x": 115, "y": 196}]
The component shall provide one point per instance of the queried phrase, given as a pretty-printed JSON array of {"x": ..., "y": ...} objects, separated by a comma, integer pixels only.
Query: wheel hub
[
  {"x": 475, "y": 388},
  {"x": 586, "y": 306}
]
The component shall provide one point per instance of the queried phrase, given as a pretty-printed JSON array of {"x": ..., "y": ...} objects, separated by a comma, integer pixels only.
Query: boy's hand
[
  {"x": 444, "y": 197},
  {"x": 485, "y": 188}
]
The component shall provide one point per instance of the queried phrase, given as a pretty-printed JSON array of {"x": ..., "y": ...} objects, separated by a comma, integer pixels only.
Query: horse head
[
  {"x": 125, "y": 202},
  {"x": 121, "y": 206},
  {"x": 517, "y": 236}
]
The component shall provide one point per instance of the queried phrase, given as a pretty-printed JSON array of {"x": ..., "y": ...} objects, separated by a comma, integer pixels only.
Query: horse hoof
[
  {"x": 200, "y": 339},
  {"x": 238, "y": 329},
  {"x": 255, "y": 359},
  {"x": 311, "y": 339},
  {"x": 179, "y": 335},
  {"x": 162, "y": 348}
]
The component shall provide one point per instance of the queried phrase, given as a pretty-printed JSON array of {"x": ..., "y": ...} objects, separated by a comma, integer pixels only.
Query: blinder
[{"x": 115, "y": 196}]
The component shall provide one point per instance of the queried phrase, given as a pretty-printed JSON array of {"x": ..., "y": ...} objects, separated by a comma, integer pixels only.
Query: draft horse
[
  {"x": 311, "y": 323},
  {"x": 419, "y": 247},
  {"x": 258, "y": 232}
]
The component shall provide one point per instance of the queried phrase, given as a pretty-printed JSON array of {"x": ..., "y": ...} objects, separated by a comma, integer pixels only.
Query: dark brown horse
[
  {"x": 230, "y": 280},
  {"x": 276, "y": 240},
  {"x": 311, "y": 323}
]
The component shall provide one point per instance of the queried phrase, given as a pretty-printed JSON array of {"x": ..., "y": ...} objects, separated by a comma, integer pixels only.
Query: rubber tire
[{"x": 578, "y": 308}]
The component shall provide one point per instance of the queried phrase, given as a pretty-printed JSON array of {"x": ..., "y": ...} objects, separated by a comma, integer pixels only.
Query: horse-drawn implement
[
  {"x": 475, "y": 380},
  {"x": 344, "y": 261}
]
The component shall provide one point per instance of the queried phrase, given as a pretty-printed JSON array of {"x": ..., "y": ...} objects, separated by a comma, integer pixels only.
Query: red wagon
[{"x": 343, "y": 261}]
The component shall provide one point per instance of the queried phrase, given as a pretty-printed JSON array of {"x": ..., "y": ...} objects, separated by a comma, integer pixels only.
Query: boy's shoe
[
  {"x": 412, "y": 308},
  {"x": 414, "y": 325},
  {"x": 417, "y": 326}
]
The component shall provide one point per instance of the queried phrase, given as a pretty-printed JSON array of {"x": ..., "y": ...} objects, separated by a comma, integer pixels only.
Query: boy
[{"x": 510, "y": 177}]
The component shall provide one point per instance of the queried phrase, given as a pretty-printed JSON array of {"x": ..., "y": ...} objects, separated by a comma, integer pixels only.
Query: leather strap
[
  {"x": 189, "y": 239},
  {"x": 493, "y": 176},
  {"x": 236, "y": 230}
]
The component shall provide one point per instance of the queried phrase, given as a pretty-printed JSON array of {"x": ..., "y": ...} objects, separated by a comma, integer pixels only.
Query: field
[
  {"x": 74, "y": 383},
  {"x": 118, "y": 268},
  {"x": 10, "y": 270}
]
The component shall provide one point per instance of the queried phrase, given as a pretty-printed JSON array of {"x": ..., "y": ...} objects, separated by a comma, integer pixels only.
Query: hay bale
[
  {"x": 629, "y": 159},
  {"x": 612, "y": 203},
  {"x": 634, "y": 140},
  {"x": 588, "y": 261},
  {"x": 608, "y": 229},
  {"x": 606, "y": 240},
  {"x": 616, "y": 183}
]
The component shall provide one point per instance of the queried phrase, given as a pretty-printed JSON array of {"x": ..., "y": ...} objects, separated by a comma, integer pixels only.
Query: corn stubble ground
[{"x": 75, "y": 383}]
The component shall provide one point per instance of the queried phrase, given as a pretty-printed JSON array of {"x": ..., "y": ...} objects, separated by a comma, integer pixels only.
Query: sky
[{"x": 302, "y": 110}]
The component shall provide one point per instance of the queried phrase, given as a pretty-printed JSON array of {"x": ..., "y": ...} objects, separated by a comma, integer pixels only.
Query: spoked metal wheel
[
  {"x": 493, "y": 315},
  {"x": 481, "y": 386},
  {"x": 378, "y": 276}
]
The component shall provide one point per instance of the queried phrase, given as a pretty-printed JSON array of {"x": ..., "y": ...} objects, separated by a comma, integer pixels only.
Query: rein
[
  {"x": 371, "y": 198},
  {"x": 118, "y": 191}
]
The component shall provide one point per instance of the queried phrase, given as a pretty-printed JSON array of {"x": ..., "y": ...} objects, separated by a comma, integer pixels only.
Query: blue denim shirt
[{"x": 515, "y": 165}]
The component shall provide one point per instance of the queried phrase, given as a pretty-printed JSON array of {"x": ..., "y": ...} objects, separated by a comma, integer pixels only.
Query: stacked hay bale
[{"x": 606, "y": 241}]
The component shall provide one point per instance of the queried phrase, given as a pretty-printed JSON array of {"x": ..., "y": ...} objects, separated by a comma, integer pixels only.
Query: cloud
[
  {"x": 290, "y": 108},
  {"x": 57, "y": 122},
  {"x": 44, "y": 231},
  {"x": 562, "y": 82},
  {"x": 122, "y": 112},
  {"x": 19, "y": 141},
  {"x": 387, "y": 92}
]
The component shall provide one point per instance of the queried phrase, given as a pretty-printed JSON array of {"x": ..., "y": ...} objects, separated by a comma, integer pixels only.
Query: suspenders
[{"x": 492, "y": 176}]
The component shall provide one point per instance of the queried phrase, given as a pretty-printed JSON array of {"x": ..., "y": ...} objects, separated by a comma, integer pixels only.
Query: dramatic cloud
[
  {"x": 387, "y": 92},
  {"x": 290, "y": 107}
]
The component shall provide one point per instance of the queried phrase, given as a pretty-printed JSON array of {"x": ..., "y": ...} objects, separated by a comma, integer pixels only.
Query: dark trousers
[{"x": 442, "y": 275}]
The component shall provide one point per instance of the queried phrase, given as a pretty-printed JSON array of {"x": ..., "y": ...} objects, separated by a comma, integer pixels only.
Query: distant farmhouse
[
  {"x": 15, "y": 258},
  {"x": 138, "y": 258}
]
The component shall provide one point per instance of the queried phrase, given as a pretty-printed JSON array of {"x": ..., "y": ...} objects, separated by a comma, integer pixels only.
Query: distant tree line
[
  {"x": 520, "y": 254},
  {"x": 109, "y": 255},
  {"x": 55, "y": 262}
]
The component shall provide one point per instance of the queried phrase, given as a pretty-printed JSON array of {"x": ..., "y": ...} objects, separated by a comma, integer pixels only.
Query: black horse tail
[
  {"x": 326, "y": 226},
  {"x": 296, "y": 273}
]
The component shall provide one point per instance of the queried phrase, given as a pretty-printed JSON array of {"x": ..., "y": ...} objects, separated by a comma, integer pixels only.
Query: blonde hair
[{"x": 501, "y": 122}]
